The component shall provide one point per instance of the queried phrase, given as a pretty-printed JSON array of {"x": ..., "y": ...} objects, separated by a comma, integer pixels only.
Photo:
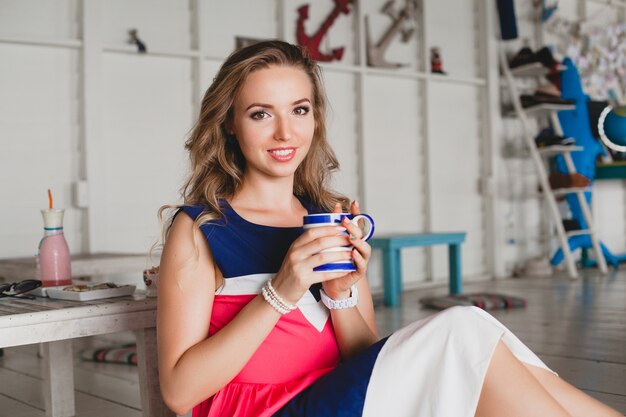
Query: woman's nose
[{"x": 283, "y": 130}]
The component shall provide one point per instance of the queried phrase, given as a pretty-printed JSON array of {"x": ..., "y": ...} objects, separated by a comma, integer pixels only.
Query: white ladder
[{"x": 536, "y": 70}]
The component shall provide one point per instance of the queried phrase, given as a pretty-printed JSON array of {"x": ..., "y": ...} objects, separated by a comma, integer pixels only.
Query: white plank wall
[
  {"x": 39, "y": 143},
  {"x": 455, "y": 168},
  {"x": 146, "y": 113},
  {"x": 419, "y": 132}
]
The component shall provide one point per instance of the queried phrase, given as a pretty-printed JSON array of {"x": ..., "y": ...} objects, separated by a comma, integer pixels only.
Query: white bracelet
[
  {"x": 273, "y": 302},
  {"x": 341, "y": 304},
  {"x": 271, "y": 296}
]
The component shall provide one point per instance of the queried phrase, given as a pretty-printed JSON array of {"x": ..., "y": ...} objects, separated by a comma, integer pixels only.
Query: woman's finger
[
  {"x": 323, "y": 258},
  {"x": 363, "y": 248},
  {"x": 329, "y": 244},
  {"x": 337, "y": 208},
  {"x": 354, "y": 230},
  {"x": 354, "y": 208},
  {"x": 317, "y": 232},
  {"x": 359, "y": 261}
]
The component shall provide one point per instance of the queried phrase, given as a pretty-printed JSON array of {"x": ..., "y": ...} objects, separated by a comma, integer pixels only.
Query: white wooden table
[
  {"x": 83, "y": 265},
  {"x": 54, "y": 323}
]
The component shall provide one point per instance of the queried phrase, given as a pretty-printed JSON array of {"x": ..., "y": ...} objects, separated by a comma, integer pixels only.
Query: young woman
[{"x": 246, "y": 328}]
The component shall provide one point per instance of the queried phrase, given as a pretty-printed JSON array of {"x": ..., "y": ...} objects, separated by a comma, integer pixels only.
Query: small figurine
[
  {"x": 134, "y": 40},
  {"x": 402, "y": 22},
  {"x": 436, "y": 67}
]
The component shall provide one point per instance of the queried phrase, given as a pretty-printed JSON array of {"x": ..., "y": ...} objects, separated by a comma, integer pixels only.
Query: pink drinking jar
[{"x": 54, "y": 254}]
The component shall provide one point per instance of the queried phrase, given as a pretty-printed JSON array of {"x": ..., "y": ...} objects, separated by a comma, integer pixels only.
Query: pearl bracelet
[{"x": 276, "y": 301}]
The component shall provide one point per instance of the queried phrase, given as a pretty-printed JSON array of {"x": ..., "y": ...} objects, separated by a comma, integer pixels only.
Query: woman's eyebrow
[{"x": 269, "y": 106}]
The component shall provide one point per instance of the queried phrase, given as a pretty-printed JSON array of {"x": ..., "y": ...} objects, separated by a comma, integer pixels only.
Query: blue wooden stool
[{"x": 392, "y": 262}]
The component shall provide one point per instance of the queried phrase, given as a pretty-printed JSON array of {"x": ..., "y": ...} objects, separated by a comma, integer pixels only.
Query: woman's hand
[
  {"x": 339, "y": 288},
  {"x": 296, "y": 273}
]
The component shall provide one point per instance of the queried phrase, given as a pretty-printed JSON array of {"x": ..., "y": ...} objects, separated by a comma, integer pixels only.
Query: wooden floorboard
[
  {"x": 13, "y": 408},
  {"x": 577, "y": 327}
]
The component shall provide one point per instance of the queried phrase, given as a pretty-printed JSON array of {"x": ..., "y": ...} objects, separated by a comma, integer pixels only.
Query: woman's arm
[
  {"x": 355, "y": 328},
  {"x": 193, "y": 367}
]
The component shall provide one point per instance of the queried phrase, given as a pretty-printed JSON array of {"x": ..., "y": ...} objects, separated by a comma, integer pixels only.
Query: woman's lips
[{"x": 282, "y": 154}]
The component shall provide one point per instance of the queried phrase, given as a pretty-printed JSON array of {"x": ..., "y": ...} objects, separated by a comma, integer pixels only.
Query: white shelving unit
[{"x": 536, "y": 154}]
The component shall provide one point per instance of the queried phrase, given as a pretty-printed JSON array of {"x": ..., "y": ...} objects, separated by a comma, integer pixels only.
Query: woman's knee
[
  {"x": 462, "y": 312},
  {"x": 462, "y": 317}
]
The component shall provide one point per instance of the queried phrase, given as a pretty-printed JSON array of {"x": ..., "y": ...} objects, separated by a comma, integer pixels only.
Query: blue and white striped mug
[{"x": 334, "y": 219}]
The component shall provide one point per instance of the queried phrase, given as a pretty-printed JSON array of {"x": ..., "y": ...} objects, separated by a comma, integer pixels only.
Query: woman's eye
[
  {"x": 259, "y": 115},
  {"x": 301, "y": 111}
]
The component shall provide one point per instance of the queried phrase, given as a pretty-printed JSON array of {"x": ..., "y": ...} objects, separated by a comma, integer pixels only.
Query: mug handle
[{"x": 368, "y": 219}]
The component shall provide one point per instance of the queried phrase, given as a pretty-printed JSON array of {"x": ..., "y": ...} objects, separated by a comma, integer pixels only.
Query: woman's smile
[{"x": 283, "y": 154}]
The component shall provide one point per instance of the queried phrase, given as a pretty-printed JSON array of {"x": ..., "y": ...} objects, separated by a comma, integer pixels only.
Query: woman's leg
[
  {"x": 576, "y": 402},
  {"x": 510, "y": 389}
]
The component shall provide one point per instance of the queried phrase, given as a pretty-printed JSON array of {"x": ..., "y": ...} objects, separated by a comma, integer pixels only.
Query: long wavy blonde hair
[{"x": 217, "y": 163}]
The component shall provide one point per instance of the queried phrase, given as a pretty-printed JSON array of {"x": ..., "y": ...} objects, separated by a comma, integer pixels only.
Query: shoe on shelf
[
  {"x": 549, "y": 90},
  {"x": 575, "y": 180},
  {"x": 531, "y": 100},
  {"x": 547, "y": 137},
  {"x": 544, "y": 55},
  {"x": 571, "y": 224},
  {"x": 523, "y": 57},
  {"x": 526, "y": 56}
]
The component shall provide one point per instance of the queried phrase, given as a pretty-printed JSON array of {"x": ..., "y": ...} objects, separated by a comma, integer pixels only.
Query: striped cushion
[
  {"x": 126, "y": 354},
  {"x": 484, "y": 300}
]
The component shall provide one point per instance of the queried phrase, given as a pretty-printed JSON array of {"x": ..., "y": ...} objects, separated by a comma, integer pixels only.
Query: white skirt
[{"x": 435, "y": 367}]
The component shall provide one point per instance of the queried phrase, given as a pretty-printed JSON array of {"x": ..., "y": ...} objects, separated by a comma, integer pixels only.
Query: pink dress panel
[{"x": 291, "y": 358}]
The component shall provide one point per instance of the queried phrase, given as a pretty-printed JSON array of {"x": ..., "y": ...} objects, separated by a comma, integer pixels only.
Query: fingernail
[{"x": 356, "y": 203}]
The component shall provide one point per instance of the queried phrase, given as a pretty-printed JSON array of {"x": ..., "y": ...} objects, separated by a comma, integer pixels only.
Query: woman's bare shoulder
[{"x": 186, "y": 250}]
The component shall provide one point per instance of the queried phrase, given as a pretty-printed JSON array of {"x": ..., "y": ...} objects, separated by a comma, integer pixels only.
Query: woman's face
[{"x": 273, "y": 120}]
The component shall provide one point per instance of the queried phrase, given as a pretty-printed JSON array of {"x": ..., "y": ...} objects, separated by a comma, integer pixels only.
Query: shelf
[
  {"x": 130, "y": 49},
  {"x": 59, "y": 43},
  {"x": 456, "y": 80},
  {"x": 541, "y": 109},
  {"x": 618, "y": 3},
  {"x": 548, "y": 108},
  {"x": 573, "y": 233},
  {"x": 559, "y": 149},
  {"x": 571, "y": 190},
  {"x": 194, "y": 54},
  {"x": 341, "y": 67},
  {"x": 534, "y": 69},
  {"x": 402, "y": 73}
]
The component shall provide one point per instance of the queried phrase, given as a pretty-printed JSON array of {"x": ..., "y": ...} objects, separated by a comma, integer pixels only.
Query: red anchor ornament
[{"x": 312, "y": 43}]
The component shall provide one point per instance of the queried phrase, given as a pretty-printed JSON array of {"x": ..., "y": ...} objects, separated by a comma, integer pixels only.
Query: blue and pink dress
[{"x": 433, "y": 367}]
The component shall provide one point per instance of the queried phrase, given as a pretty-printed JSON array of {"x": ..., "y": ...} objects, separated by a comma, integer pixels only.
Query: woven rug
[
  {"x": 126, "y": 354},
  {"x": 484, "y": 300}
]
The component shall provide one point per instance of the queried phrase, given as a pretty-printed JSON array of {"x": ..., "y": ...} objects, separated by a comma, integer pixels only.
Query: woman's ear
[{"x": 229, "y": 126}]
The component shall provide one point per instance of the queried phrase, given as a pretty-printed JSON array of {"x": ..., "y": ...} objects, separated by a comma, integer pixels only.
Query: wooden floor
[{"x": 577, "y": 327}]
